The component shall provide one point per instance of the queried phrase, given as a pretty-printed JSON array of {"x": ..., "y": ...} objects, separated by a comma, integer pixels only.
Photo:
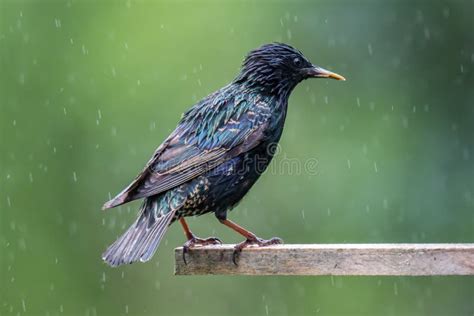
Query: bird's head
[{"x": 279, "y": 68}]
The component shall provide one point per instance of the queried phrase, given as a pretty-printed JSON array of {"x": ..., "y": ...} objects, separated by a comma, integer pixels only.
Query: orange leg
[
  {"x": 250, "y": 239},
  {"x": 193, "y": 240},
  {"x": 187, "y": 232}
]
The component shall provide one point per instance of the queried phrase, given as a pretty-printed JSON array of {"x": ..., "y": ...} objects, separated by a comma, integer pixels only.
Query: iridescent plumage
[{"x": 216, "y": 153}]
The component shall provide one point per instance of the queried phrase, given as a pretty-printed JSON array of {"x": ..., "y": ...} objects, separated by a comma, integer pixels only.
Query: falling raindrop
[
  {"x": 446, "y": 13},
  {"x": 427, "y": 33}
]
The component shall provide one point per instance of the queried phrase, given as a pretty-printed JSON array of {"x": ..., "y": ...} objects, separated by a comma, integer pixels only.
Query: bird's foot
[
  {"x": 196, "y": 241},
  {"x": 254, "y": 241}
]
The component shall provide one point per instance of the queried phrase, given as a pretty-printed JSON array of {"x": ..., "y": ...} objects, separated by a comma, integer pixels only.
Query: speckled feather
[{"x": 209, "y": 162}]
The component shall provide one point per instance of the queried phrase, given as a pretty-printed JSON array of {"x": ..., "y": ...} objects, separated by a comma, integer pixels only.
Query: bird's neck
[{"x": 276, "y": 95}]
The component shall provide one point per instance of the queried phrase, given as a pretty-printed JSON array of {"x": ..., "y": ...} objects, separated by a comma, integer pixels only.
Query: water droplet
[
  {"x": 375, "y": 167},
  {"x": 446, "y": 13},
  {"x": 369, "y": 48},
  {"x": 57, "y": 22},
  {"x": 427, "y": 33},
  {"x": 74, "y": 176},
  {"x": 405, "y": 122}
]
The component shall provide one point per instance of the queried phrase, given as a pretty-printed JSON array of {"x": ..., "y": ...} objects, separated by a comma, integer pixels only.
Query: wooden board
[{"x": 330, "y": 259}]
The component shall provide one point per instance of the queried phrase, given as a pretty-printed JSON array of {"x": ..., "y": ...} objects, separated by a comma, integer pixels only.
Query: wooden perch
[{"x": 330, "y": 259}]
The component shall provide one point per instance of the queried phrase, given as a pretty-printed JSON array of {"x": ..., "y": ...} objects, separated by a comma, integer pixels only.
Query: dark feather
[
  {"x": 141, "y": 240},
  {"x": 191, "y": 151}
]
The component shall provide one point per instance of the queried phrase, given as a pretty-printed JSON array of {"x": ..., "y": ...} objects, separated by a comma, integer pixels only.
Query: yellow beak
[{"x": 318, "y": 72}]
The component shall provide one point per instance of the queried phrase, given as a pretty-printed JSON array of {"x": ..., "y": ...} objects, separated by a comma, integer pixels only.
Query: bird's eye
[{"x": 297, "y": 62}]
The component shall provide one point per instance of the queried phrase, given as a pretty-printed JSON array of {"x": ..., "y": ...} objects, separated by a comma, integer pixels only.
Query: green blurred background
[{"x": 89, "y": 89}]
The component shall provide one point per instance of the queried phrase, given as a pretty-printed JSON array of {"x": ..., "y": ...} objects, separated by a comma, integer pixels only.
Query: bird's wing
[{"x": 206, "y": 137}]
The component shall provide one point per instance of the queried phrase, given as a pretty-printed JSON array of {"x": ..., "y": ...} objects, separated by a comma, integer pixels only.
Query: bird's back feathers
[{"x": 215, "y": 130}]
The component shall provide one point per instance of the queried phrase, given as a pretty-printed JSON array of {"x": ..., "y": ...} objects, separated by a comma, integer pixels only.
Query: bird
[{"x": 219, "y": 149}]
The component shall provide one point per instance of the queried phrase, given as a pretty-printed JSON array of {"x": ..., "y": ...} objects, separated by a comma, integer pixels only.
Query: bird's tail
[{"x": 141, "y": 240}]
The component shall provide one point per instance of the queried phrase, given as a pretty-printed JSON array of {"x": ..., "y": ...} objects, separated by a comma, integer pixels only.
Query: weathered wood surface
[{"x": 330, "y": 259}]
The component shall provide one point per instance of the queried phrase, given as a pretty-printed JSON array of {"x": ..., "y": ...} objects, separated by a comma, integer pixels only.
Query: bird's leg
[
  {"x": 250, "y": 239},
  {"x": 192, "y": 240}
]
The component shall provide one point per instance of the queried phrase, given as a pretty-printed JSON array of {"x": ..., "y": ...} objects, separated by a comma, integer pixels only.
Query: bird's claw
[
  {"x": 257, "y": 241},
  {"x": 195, "y": 241}
]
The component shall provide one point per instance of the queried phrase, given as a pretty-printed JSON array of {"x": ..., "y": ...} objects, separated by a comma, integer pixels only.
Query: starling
[{"x": 217, "y": 152}]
